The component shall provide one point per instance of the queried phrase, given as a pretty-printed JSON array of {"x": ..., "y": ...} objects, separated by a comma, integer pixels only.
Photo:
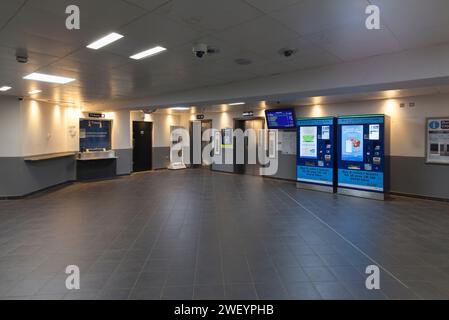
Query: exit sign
[
  {"x": 248, "y": 114},
  {"x": 200, "y": 117}
]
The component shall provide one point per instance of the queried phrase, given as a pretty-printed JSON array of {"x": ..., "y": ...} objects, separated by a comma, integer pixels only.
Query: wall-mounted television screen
[{"x": 281, "y": 119}]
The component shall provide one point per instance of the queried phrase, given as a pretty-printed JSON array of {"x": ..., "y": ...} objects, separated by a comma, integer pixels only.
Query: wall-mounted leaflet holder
[
  {"x": 316, "y": 156},
  {"x": 363, "y": 155},
  {"x": 437, "y": 141},
  {"x": 217, "y": 143},
  {"x": 272, "y": 144}
]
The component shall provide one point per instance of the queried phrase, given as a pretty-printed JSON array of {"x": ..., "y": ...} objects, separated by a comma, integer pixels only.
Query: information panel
[
  {"x": 95, "y": 134},
  {"x": 316, "y": 151},
  {"x": 362, "y": 146},
  {"x": 437, "y": 140}
]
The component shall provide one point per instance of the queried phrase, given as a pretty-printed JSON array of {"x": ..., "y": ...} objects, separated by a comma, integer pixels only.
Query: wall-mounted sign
[
  {"x": 248, "y": 114},
  {"x": 96, "y": 115},
  {"x": 437, "y": 148},
  {"x": 200, "y": 117}
]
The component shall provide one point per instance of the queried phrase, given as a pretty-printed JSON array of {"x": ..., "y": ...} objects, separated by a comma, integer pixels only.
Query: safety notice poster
[{"x": 438, "y": 140}]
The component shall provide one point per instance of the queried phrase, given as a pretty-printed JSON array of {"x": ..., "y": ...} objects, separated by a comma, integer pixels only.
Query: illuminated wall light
[
  {"x": 317, "y": 111},
  {"x": 35, "y": 92},
  {"x": 390, "y": 107}
]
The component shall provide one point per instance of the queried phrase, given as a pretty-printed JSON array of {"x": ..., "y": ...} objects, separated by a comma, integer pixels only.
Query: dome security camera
[{"x": 200, "y": 50}]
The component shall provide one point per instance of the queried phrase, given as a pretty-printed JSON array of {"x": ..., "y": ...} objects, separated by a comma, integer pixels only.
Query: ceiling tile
[
  {"x": 416, "y": 23},
  {"x": 271, "y": 5},
  {"x": 260, "y": 32},
  {"x": 148, "y": 5},
  {"x": 9, "y": 8},
  {"x": 354, "y": 42},
  {"x": 311, "y": 16},
  {"x": 209, "y": 15}
]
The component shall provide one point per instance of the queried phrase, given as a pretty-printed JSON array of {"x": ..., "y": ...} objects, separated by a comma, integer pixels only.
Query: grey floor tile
[
  {"x": 302, "y": 291},
  {"x": 146, "y": 293},
  {"x": 241, "y": 292},
  {"x": 333, "y": 291},
  {"x": 319, "y": 274},
  {"x": 177, "y": 293},
  {"x": 271, "y": 291},
  {"x": 209, "y": 293}
]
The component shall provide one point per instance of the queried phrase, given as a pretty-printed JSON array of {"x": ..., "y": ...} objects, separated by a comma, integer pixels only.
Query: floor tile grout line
[{"x": 342, "y": 237}]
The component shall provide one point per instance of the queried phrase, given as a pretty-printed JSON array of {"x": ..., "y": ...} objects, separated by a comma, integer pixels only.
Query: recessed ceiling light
[
  {"x": 48, "y": 78},
  {"x": 180, "y": 108},
  {"x": 35, "y": 91},
  {"x": 100, "y": 43},
  {"x": 237, "y": 103},
  {"x": 5, "y": 88},
  {"x": 147, "y": 53}
]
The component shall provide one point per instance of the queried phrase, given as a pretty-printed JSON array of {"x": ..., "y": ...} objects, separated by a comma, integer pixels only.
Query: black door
[{"x": 142, "y": 145}]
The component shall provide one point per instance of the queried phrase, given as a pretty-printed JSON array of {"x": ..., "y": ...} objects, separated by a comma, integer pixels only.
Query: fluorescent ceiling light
[
  {"x": 48, "y": 78},
  {"x": 237, "y": 103},
  {"x": 147, "y": 53},
  {"x": 5, "y": 88},
  {"x": 35, "y": 91},
  {"x": 180, "y": 108},
  {"x": 100, "y": 43}
]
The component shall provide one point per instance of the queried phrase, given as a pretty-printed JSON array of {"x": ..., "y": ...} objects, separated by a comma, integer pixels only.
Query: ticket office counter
[{"x": 95, "y": 160}]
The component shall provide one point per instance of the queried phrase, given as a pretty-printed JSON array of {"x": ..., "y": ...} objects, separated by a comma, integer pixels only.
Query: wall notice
[{"x": 437, "y": 140}]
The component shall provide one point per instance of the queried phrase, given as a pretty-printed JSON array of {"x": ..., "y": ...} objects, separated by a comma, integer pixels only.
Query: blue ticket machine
[
  {"x": 363, "y": 150},
  {"x": 316, "y": 154}
]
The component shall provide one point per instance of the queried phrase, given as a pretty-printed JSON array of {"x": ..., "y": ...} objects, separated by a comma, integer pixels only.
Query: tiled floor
[{"x": 195, "y": 234}]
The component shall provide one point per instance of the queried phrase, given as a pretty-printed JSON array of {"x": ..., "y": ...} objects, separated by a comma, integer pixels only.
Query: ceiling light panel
[
  {"x": 148, "y": 53},
  {"x": 100, "y": 43},
  {"x": 5, "y": 88},
  {"x": 48, "y": 78}
]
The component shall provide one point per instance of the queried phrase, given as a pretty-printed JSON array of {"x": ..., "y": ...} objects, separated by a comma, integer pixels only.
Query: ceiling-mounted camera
[
  {"x": 201, "y": 49},
  {"x": 287, "y": 52},
  {"x": 22, "y": 55}
]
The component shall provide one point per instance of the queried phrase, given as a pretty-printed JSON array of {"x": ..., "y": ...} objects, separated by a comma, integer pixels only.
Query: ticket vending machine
[
  {"x": 316, "y": 156},
  {"x": 363, "y": 150}
]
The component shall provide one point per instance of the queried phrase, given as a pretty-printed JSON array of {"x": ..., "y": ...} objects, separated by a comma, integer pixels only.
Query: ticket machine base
[
  {"x": 314, "y": 187},
  {"x": 362, "y": 194}
]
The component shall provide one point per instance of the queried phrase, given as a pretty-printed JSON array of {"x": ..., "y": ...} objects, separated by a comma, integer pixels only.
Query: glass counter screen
[
  {"x": 352, "y": 143},
  {"x": 281, "y": 119}
]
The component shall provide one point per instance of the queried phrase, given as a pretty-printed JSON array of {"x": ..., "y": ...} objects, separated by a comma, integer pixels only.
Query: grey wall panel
[
  {"x": 410, "y": 175},
  {"x": 124, "y": 161},
  {"x": 20, "y": 178},
  {"x": 161, "y": 157},
  {"x": 286, "y": 167}
]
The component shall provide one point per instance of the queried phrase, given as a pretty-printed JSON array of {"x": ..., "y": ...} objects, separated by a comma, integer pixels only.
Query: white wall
[
  {"x": 10, "y": 127},
  {"x": 49, "y": 128}
]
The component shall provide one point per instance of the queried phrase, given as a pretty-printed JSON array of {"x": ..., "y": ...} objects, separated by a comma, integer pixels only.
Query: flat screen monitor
[{"x": 281, "y": 119}]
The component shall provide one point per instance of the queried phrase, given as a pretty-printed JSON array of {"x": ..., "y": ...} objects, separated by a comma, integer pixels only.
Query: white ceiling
[{"x": 325, "y": 32}]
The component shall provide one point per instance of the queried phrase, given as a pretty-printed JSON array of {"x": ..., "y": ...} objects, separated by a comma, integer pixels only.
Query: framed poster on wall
[{"x": 437, "y": 140}]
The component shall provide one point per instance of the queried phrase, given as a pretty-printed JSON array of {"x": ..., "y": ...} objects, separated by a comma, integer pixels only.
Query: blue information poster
[{"x": 95, "y": 134}]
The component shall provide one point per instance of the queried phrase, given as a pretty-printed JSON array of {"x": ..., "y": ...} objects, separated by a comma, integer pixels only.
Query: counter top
[{"x": 49, "y": 156}]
